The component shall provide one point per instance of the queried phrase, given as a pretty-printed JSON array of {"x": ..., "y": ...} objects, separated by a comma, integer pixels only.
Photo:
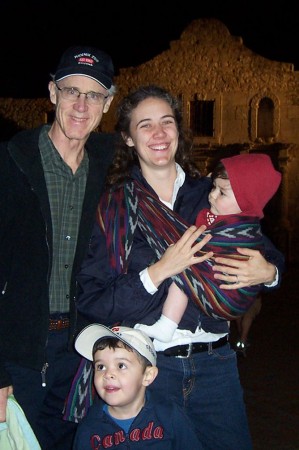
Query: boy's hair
[{"x": 113, "y": 342}]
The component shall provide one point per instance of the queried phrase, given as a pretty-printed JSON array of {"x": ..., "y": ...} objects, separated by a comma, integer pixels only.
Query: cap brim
[
  {"x": 141, "y": 343},
  {"x": 87, "y": 338},
  {"x": 100, "y": 78}
]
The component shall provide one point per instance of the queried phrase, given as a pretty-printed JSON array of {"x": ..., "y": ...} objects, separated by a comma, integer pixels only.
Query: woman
[{"x": 123, "y": 280}]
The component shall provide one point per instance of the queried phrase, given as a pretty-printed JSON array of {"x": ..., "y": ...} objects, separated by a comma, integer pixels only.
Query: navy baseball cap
[{"x": 86, "y": 61}]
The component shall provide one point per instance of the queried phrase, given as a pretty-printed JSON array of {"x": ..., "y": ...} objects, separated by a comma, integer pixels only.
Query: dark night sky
[{"x": 33, "y": 34}]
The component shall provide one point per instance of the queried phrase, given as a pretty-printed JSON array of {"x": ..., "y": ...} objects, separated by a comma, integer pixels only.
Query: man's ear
[
  {"x": 129, "y": 142},
  {"x": 149, "y": 375},
  {"x": 108, "y": 103},
  {"x": 53, "y": 92}
]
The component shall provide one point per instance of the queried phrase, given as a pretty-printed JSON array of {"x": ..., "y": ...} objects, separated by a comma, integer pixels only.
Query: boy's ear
[{"x": 149, "y": 375}]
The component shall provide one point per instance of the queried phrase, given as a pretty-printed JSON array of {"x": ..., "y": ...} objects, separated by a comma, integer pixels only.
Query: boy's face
[
  {"x": 120, "y": 378},
  {"x": 222, "y": 198}
]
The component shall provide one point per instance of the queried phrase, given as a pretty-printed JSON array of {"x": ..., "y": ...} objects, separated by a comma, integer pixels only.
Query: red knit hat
[{"x": 253, "y": 180}]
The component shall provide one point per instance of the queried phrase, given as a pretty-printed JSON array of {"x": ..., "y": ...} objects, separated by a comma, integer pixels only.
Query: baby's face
[{"x": 222, "y": 198}]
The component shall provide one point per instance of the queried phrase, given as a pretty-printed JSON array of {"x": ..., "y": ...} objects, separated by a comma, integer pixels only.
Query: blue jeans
[
  {"x": 207, "y": 385},
  {"x": 43, "y": 406}
]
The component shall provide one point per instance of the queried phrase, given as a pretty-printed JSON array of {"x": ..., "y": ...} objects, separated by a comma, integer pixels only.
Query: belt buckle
[{"x": 189, "y": 352}]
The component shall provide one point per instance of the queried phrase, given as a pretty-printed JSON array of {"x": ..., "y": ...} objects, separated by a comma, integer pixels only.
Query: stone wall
[{"x": 24, "y": 113}]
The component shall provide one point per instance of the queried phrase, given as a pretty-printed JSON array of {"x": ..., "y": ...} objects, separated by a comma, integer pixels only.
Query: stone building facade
[{"x": 233, "y": 99}]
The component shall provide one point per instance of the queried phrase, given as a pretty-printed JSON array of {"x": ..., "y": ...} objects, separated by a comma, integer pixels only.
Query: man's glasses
[{"x": 72, "y": 94}]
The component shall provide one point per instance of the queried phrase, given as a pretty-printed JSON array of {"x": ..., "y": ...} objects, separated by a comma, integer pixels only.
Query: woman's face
[{"x": 154, "y": 133}]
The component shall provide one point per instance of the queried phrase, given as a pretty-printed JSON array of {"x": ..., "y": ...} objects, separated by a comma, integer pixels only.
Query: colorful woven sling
[{"x": 124, "y": 209}]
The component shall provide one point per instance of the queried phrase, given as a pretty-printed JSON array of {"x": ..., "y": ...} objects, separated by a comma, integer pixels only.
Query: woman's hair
[{"x": 126, "y": 157}]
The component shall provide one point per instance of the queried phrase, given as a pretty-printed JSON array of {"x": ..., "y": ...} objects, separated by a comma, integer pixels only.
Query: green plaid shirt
[{"x": 66, "y": 193}]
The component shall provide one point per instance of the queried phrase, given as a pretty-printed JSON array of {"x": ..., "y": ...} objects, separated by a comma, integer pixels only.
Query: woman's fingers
[
  {"x": 240, "y": 273},
  {"x": 184, "y": 253},
  {"x": 190, "y": 236}
]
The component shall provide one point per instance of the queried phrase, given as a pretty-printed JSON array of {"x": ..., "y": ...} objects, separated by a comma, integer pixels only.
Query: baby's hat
[{"x": 253, "y": 179}]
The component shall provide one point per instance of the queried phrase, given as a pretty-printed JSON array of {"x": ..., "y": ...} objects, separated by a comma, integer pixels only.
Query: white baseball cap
[{"x": 135, "y": 339}]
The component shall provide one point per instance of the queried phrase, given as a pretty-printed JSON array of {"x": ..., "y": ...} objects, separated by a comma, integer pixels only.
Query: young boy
[
  {"x": 126, "y": 415},
  {"x": 242, "y": 185}
]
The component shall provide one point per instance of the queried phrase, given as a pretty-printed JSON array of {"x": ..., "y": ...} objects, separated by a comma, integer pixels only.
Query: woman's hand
[
  {"x": 181, "y": 255},
  {"x": 241, "y": 273}
]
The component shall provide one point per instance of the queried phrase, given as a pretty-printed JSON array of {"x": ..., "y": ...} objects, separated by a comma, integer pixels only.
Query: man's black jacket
[{"x": 26, "y": 245}]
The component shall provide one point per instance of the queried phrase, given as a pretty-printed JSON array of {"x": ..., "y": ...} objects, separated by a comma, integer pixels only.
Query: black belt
[{"x": 184, "y": 351}]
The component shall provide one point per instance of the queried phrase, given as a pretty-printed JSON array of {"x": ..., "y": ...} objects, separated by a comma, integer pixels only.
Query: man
[{"x": 51, "y": 179}]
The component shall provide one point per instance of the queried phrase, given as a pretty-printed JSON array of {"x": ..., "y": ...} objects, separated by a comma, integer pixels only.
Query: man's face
[{"x": 76, "y": 115}]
